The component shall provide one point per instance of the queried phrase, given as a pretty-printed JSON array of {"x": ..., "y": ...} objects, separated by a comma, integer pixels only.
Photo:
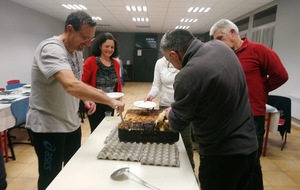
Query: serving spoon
[{"x": 120, "y": 173}]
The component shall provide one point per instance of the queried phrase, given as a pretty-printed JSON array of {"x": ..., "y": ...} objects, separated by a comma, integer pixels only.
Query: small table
[
  {"x": 272, "y": 120},
  {"x": 85, "y": 171}
]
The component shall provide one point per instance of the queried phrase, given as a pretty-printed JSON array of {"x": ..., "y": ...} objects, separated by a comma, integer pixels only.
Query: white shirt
[{"x": 164, "y": 74}]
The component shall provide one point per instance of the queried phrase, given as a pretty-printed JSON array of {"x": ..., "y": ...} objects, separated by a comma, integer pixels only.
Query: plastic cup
[{"x": 108, "y": 113}]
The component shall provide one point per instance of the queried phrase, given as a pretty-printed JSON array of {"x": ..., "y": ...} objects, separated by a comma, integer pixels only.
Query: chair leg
[
  {"x": 3, "y": 145},
  {"x": 284, "y": 141},
  {"x": 30, "y": 136},
  {"x": 11, "y": 147},
  {"x": 6, "y": 145}
]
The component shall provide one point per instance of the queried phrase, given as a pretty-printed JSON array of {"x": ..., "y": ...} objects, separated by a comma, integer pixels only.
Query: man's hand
[
  {"x": 119, "y": 106},
  {"x": 90, "y": 106}
]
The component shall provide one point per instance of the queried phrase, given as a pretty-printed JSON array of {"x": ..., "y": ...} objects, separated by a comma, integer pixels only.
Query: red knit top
[
  {"x": 90, "y": 68},
  {"x": 264, "y": 72}
]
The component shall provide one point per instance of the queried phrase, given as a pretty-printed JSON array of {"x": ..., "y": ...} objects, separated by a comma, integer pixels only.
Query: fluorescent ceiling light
[
  {"x": 74, "y": 6},
  {"x": 207, "y": 9},
  {"x": 190, "y": 9},
  {"x": 136, "y": 8},
  {"x": 201, "y": 10},
  {"x": 140, "y": 19},
  {"x": 188, "y": 20},
  {"x": 96, "y": 18},
  {"x": 133, "y": 8},
  {"x": 197, "y": 9},
  {"x": 182, "y": 27}
]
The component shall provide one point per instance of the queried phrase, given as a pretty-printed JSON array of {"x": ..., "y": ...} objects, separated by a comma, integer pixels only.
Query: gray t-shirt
[{"x": 51, "y": 108}]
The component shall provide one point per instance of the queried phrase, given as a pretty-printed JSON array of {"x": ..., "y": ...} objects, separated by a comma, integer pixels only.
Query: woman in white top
[{"x": 164, "y": 75}]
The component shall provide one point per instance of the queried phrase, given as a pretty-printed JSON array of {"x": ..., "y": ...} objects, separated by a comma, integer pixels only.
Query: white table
[
  {"x": 271, "y": 124},
  {"x": 85, "y": 171},
  {"x": 7, "y": 120}
]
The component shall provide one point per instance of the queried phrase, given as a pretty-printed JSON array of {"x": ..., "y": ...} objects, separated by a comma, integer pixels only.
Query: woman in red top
[{"x": 101, "y": 70}]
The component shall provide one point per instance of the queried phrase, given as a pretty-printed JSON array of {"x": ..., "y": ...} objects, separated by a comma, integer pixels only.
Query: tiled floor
[{"x": 281, "y": 169}]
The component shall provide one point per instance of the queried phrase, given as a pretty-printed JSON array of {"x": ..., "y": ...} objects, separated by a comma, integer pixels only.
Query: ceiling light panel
[
  {"x": 96, "y": 18},
  {"x": 136, "y": 8},
  {"x": 198, "y": 9},
  {"x": 140, "y": 19},
  {"x": 188, "y": 20},
  {"x": 74, "y": 6}
]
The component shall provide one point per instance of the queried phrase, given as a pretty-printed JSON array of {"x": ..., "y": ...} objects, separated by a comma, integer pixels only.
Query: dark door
[{"x": 143, "y": 65}]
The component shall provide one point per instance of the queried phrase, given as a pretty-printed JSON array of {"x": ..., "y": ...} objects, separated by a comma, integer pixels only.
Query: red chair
[
  {"x": 283, "y": 105},
  {"x": 13, "y": 81},
  {"x": 2, "y": 89}
]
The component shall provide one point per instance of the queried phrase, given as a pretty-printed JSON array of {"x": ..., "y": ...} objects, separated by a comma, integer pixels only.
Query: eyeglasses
[{"x": 85, "y": 38}]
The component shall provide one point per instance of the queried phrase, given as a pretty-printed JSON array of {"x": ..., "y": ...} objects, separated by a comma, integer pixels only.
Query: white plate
[
  {"x": 145, "y": 105},
  {"x": 115, "y": 95}
]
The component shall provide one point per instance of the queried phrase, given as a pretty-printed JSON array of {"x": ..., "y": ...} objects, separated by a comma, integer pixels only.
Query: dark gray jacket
[{"x": 211, "y": 92}]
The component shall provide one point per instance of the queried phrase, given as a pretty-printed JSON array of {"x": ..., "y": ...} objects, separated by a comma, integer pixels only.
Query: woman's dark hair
[
  {"x": 99, "y": 40},
  {"x": 78, "y": 18}
]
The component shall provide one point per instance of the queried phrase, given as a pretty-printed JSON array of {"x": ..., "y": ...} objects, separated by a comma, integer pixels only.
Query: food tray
[
  {"x": 148, "y": 136},
  {"x": 140, "y": 127}
]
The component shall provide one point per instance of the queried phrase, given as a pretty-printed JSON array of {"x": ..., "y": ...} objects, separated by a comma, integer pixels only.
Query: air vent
[{"x": 143, "y": 26}]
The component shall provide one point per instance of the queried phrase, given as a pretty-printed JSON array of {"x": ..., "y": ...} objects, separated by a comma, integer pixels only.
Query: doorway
[{"x": 144, "y": 63}]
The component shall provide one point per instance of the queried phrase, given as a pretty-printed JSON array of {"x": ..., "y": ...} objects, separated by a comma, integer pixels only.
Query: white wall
[
  {"x": 287, "y": 45},
  {"x": 21, "y": 31}
]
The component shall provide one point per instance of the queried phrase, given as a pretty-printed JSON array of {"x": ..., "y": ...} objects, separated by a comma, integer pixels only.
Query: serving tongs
[{"x": 122, "y": 119}]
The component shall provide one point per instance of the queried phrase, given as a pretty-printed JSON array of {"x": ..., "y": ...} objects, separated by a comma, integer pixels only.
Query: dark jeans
[
  {"x": 96, "y": 118},
  {"x": 227, "y": 172},
  {"x": 53, "y": 151},
  {"x": 260, "y": 132}
]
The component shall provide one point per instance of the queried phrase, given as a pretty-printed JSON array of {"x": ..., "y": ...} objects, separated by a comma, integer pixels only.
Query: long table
[
  {"x": 85, "y": 171},
  {"x": 7, "y": 120}
]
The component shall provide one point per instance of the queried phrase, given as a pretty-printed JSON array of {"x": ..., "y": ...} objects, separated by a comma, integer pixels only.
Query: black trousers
[
  {"x": 260, "y": 132},
  {"x": 228, "y": 172},
  {"x": 53, "y": 151}
]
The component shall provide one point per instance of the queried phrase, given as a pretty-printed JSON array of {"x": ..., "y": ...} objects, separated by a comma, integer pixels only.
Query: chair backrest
[
  {"x": 13, "y": 81},
  {"x": 19, "y": 110},
  {"x": 13, "y": 86},
  {"x": 283, "y": 104}
]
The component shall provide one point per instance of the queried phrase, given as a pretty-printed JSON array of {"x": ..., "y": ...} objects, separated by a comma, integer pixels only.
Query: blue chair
[
  {"x": 19, "y": 110},
  {"x": 13, "y": 86}
]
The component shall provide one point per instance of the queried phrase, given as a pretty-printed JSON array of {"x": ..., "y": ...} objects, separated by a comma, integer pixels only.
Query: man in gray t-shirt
[{"x": 56, "y": 89}]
